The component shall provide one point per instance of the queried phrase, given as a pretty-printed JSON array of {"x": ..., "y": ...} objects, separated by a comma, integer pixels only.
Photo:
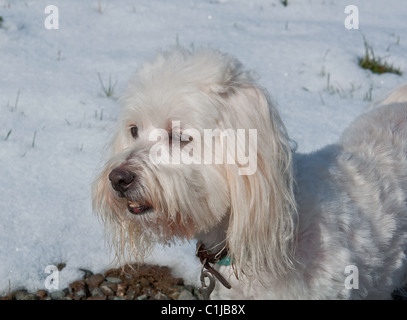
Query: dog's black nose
[{"x": 121, "y": 179}]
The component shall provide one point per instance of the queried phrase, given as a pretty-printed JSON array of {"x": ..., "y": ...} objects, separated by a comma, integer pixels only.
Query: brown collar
[{"x": 207, "y": 258}]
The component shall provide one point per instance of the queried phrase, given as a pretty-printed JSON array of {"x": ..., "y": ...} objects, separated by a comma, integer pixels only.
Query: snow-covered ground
[{"x": 55, "y": 120}]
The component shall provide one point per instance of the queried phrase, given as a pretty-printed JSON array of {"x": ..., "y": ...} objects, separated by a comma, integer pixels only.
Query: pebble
[
  {"x": 80, "y": 293},
  {"x": 77, "y": 285},
  {"x": 131, "y": 294},
  {"x": 186, "y": 295},
  {"x": 161, "y": 296},
  {"x": 41, "y": 294},
  {"x": 114, "y": 280},
  {"x": 94, "y": 280},
  {"x": 56, "y": 295},
  {"x": 24, "y": 295},
  {"x": 107, "y": 290},
  {"x": 97, "y": 292},
  {"x": 121, "y": 289},
  {"x": 174, "y": 295}
]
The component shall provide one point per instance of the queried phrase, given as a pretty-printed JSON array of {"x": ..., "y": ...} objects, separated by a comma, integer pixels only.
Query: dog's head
[{"x": 197, "y": 142}]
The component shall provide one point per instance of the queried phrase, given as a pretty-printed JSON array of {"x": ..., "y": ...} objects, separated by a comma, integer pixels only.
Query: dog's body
[
  {"x": 330, "y": 224},
  {"x": 352, "y": 215}
]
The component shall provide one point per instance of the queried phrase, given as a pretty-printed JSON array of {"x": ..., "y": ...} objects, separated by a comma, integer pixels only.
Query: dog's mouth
[{"x": 138, "y": 207}]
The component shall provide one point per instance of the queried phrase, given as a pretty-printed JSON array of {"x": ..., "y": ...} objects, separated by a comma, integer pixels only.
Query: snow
[{"x": 56, "y": 122}]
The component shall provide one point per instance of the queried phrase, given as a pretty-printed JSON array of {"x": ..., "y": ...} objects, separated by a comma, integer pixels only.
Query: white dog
[{"x": 200, "y": 152}]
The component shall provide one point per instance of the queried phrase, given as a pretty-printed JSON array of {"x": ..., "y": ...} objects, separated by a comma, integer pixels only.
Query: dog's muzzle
[{"x": 122, "y": 181}]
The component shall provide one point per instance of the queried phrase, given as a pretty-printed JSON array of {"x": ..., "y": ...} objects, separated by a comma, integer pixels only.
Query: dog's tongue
[{"x": 136, "y": 208}]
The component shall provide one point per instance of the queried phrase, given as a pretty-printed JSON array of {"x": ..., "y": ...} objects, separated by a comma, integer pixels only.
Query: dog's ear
[{"x": 260, "y": 235}]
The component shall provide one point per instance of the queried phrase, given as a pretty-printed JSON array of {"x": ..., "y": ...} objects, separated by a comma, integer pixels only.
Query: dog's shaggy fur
[{"x": 297, "y": 225}]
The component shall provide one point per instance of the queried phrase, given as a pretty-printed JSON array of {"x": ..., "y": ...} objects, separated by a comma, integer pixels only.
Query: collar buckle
[{"x": 210, "y": 272}]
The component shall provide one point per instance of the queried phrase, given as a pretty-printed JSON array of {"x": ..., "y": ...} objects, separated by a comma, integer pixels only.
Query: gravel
[{"x": 131, "y": 282}]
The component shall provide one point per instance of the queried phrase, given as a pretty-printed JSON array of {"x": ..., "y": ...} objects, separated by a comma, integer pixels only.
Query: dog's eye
[{"x": 134, "y": 132}]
